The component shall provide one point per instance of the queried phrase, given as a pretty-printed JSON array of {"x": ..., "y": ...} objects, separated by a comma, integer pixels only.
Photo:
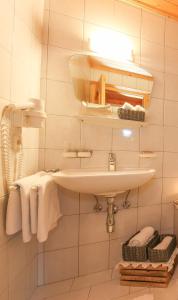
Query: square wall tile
[
  {"x": 5, "y": 74},
  {"x": 126, "y": 139},
  {"x": 171, "y": 33},
  {"x": 171, "y": 88},
  {"x": 69, "y": 202},
  {"x": 18, "y": 287},
  {"x": 91, "y": 279},
  {"x": 151, "y": 138},
  {"x": 149, "y": 216},
  {"x": 115, "y": 252},
  {"x": 150, "y": 193},
  {"x": 65, "y": 235},
  {"x": 53, "y": 289},
  {"x": 58, "y": 64},
  {"x": 73, "y": 295},
  {"x": 61, "y": 265},
  {"x": 6, "y": 29},
  {"x": 170, "y": 165},
  {"x": 93, "y": 228},
  {"x": 132, "y": 198},
  {"x": 70, "y": 8},
  {"x": 96, "y": 137},
  {"x": 54, "y": 159},
  {"x": 17, "y": 257},
  {"x": 170, "y": 190},
  {"x": 62, "y": 133},
  {"x": 170, "y": 113},
  {"x": 88, "y": 202},
  {"x": 127, "y": 18},
  {"x": 99, "y": 159},
  {"x": 171, "y": 60},
  {"x": 170, "y": 139},
  {"x": 31, "y": 159},
  {"x": 153, "y": 27},
  {"x": 167, "y": 217},
  {"x": 105, "y": 17},
  {"x": 93, "y": 258},
  {"x": 4, "y": 269},
  {"x": 5, "y": 295},
  {"x": 127, "y": 159},
  {"x": 109, "y": 290},
  {"x": 65, "y": 31},
  {"x": 158, "y": 85},
  {"x": 153, "y": 163},
  {"x": 125, "y": 223},
  {"x": 155, "y": 112},
  {"x": 61, "y": 99},
  {"x": 152, "y": 56}
]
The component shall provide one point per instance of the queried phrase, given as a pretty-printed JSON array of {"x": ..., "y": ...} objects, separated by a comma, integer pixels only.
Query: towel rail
[{"x": 15, "y": 187}]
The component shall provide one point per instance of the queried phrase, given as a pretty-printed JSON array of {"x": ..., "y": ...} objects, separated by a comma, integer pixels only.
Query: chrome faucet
[{"x": 112, "y": 162}]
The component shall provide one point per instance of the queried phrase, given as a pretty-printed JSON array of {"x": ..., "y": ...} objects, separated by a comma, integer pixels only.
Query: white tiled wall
[
  {"x": 20, "y": 67},
  {"x": 80, "y": 244}
]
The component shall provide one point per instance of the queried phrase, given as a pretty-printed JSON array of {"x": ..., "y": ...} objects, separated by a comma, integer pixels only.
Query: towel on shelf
[
  {"x": 164, "y": 243},
  {"x": 13, "y": 214},
  {"x": 142, "y": 238},
  {"x": 45, "y": 203}
]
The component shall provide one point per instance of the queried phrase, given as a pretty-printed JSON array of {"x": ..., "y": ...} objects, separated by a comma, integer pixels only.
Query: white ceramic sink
[{"x": 104, "y": 183}]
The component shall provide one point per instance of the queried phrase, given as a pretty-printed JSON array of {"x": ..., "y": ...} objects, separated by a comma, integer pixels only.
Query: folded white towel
[
  {"x": 142, "y": 237},
  {"x": 164, "y": 243},
  {"x": 48, "y": 207},
  {"x": 13, "y": 214}
]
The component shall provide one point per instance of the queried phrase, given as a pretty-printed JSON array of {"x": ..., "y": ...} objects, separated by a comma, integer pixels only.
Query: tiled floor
[{"x": 103, "y": 286}]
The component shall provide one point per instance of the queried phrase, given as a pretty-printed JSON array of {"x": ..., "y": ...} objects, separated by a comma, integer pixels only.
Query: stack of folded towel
[
  {"x": 33, "y": 207},
  {"x": 145, "y": 235}
]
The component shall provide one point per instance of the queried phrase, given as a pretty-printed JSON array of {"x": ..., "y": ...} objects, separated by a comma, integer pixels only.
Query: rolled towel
[
  {"x": 142, "y": 238},
  {"x": 164, "y": 243}
]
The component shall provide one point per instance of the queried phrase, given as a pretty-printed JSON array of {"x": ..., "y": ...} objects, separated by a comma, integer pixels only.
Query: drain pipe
[{"x": 111, "y": 210}]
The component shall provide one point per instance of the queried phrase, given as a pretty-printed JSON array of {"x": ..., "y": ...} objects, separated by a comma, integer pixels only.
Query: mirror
[{"x": 101, "y": 82}]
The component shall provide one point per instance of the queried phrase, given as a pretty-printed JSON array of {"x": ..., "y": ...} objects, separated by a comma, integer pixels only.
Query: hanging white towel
[
  {"x": 34, "y": 209},
  {"x": 46, "y": 201},
  {"x": 13, "y": 215},
  {"x": 25, "y": 185}
]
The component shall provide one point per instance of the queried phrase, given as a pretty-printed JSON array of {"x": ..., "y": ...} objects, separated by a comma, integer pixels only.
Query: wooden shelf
[{"x": 111, "y": 121}]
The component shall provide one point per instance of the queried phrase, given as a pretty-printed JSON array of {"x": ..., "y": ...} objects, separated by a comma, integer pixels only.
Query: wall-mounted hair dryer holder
[
  {"x": 28, "y": 118},
  {"x": 14, "y": 118}
]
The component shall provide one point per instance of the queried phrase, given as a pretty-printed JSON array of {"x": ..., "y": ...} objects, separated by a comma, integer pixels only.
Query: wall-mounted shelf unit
[
  {"x": 111, "y": 121},
  {"x": 168, "y": 8}
]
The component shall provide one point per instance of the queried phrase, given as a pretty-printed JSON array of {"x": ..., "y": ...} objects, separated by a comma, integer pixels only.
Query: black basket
[
  {"x": 138, "y": 253},
  {"x": 128, "y": 114},
  {"x": 155, "y": 255}
]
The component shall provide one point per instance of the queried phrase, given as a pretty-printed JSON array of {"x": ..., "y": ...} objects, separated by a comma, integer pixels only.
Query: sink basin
[{"x": 104, "y": 183}]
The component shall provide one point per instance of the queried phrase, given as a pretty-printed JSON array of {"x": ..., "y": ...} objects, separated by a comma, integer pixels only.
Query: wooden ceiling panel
[{"x": 164, "y": 7}]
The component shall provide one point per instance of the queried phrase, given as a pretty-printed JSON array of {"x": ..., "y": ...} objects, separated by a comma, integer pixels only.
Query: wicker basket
[
  {"x": 155, "y": 255},
  {"x": 128, "y": 114},
  {"x": 138, "y": 253}
]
